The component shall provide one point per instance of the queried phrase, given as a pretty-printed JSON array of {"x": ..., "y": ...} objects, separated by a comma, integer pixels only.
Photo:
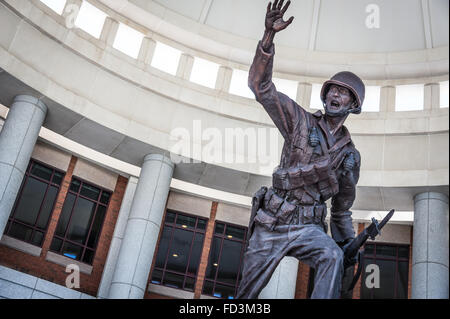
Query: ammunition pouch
[{"x": 318, "y": 173}]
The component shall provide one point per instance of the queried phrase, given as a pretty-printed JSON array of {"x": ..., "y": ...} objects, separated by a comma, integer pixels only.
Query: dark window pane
[
  {"x": 42, "y": 172},
  {"x": 213, "y": 261},
  {"x": 88, "y": 256},
  {"x": 189, "y": 284},
  {"x": 208, "y": 287},
  {"x": 20, "y": 232},
  {"x": 163, "y": 247},
  {"x": 75, "y": 185},
  {"x": 37, "y": 238},
  {"x": 30, "y": 201},
  {"x": 81, "y": 220},
  {"x": 195, "y": 254},
  {"x": 57, "y": 178},
  {"x": 156, "y": 276},
  {"x": 369, "y": 249},
  {"x": 90, "y": 191},
  {"x": 387, "y": 280},
  {"x": 386, "y": 251},
  {"x": 97, "y": 226},
  {"x": 47, "y": 207},
  {"x": 229, "y": 262},
  {"x": 235, "y": 233},
  {"x": 56, "y": 245},
  {"x": 225, "y": 292},
  {"x": 170, "y": 218},
  {"x": 104, "y": 199},
  {"x": 72, "y": 251},
  {"x": 65, "y": 215},
  {"x": 219, "y": 229},
  {"x": 403, "y": 252},
  {"x": 186, "y": 221},
  {"x": 173, "y": 280},
  {"x": 179, "y": 250},
  {"x": 402, "y": 280},
  {"x": 201, "y": 224}
]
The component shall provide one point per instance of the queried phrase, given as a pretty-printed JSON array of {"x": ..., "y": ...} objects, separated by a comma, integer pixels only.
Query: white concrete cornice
[{"x": 227, "y": 48}]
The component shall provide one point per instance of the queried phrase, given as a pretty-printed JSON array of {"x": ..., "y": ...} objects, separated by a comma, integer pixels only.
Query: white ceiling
[{"x": 326, "y": 25}]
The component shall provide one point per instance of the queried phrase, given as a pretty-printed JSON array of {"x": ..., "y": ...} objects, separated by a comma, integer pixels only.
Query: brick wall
[
  {"x": 41, "y": 268},
  {"x": 301, "y": 288}
]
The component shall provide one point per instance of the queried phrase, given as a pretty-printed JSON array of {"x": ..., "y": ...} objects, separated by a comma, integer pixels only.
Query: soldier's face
[{"x": 338, "y": 101}]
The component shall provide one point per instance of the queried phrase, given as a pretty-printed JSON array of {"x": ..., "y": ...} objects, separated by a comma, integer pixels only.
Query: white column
[
  {"x": 185, "y": 66},
  {"x": 387, "y": 99},
  {"x": 304, "y": 91},
  {"x": 116, "y": 242},
  {"x": 224, "y": 78},
  {"x": 109, "y": 31},
  {"x": 142, "y": 230},
  {"x": 430, "y": 247},
  {"x": 17, "y": 140},
  {"x": 283, "y": 282}
]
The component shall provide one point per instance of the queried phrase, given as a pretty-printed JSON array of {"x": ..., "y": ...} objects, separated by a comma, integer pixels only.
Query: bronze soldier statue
[{"x": 319, "y": 161}]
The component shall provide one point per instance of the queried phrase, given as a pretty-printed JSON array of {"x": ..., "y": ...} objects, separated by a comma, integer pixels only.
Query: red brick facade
[{"x": 41, "y": 268}]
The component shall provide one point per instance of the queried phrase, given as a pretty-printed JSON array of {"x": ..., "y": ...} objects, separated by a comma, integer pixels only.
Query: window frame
[
  {"x": 174, "y": 226},
  {"x": 373, "y": 257},
  {"x": 223, "y": 237},
  {"x": 85, "y": 246},
  {"x": 35, "y": 228}
]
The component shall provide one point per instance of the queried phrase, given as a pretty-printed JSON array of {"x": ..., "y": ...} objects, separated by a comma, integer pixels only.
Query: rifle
[{"x": 352, "y": 253}]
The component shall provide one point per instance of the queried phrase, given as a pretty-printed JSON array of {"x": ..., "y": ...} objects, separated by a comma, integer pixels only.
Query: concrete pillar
[
  {"x": 431, "y": 96},
  {"x": 143, "y": 225},
  {"x": 116, "y": 242},
  {"x": 71, "y": 11},
  {"x": 430, "y": 247},
  {"x": 185, "y": 66},
  {"x": 387, "y": 99},
  {"x": 224, "y": 78},
  {"x": 17, "y": 140},
  {"x": 147, "y": 50},
  {"x": 109, "y": 31},
  {"x": 304, "y": 91},
  {"x": 283, "y": 281}
]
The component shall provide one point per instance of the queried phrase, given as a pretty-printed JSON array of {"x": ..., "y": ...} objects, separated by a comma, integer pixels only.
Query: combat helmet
[{"x": 352, "y": 82}]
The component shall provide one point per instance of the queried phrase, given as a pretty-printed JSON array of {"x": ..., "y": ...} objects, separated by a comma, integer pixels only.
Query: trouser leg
[
  {"x": 315, "y": 248},
  {"x": 260, "y": 261}
]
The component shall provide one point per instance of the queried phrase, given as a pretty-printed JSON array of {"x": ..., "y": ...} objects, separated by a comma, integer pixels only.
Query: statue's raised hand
[{"x": 274, "y": 16}]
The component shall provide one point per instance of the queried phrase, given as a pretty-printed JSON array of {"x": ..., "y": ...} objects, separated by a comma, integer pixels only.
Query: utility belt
[{"x": 275, "y": 210}]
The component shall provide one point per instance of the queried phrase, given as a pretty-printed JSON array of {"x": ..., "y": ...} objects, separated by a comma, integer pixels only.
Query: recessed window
[
  {"x": 31, "y": 213},
  {"x": 90, "y": 19},
  {"x": 316, "y": 103},
  {"x": 128, "y": 40},
  {"x": 372, "y": 99},
  {"x": 55, "y": 5},
  {"x": 409, "y": 97},
  {"x": 443, "y": 87},
  {"x": 81, "y": 221},
  {"x": 393, "y": 264},
  {"x": 166, "y": 58},
  {"x": 224, "y": 271},
  {"x": 204, "y": 72},
  {"x": 179, "y": 251},
  {"x": 239, "y": 84},
  {"x": 287, "y": 87}
]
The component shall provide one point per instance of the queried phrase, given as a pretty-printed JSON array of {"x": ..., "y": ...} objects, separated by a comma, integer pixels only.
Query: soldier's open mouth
[{"x": 335, "y": 104}]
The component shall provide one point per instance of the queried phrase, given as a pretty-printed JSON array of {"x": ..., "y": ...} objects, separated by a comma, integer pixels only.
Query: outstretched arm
[
  {"x": 275, "y": 22},
  {"x": 284, "y": 112}
]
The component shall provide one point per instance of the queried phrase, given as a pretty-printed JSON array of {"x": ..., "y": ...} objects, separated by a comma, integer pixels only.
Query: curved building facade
[{"x": 130, "y": 147}]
